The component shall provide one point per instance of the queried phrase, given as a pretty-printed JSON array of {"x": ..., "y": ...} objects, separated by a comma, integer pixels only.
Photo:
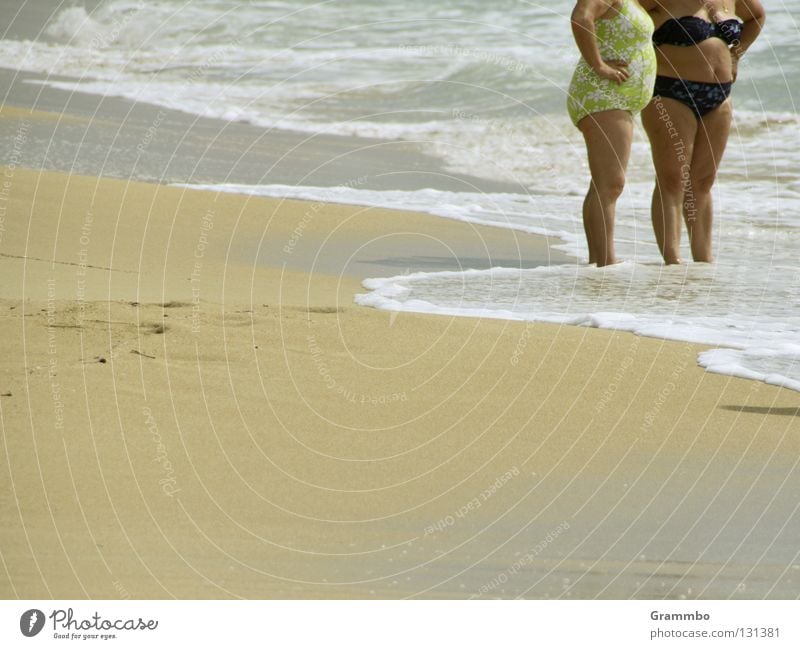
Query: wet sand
[{"x": 114, "y": 137}]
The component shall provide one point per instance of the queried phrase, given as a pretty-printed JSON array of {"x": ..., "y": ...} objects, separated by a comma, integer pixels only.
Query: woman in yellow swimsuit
[{"x": 613, "y": 81}]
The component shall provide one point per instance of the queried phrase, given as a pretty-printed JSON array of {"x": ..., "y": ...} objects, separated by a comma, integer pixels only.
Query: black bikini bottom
[{"x": 700, "y": 97}]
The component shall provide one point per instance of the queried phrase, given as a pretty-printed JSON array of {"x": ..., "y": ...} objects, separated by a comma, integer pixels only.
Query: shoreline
[
  {"x": 116, "y": 137},
  {"x": 109, "y": 137}
]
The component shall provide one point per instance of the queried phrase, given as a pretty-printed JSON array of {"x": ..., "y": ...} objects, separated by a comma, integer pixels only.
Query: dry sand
[{"x": 193, "y": 407}]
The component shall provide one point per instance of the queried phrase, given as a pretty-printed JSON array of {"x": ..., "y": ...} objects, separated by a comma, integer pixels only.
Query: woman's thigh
[
  {"x": 709, "y": 145},
  {"x": 672, "y": 128},
  {"x": 608, "y": 136}
]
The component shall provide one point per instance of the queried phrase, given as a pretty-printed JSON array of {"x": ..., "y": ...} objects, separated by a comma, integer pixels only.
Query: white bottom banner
[{"x": 400, "y": 624}]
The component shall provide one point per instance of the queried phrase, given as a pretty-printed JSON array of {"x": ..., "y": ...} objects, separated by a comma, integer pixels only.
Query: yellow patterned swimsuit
[{"x": 626, "y": 37}]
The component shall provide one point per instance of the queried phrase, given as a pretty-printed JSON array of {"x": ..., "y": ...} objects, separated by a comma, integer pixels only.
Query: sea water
[{"x": 481, "y": 85}]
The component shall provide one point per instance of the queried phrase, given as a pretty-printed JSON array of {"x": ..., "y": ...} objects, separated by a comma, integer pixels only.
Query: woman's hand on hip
[{"x": 613, "y": 71}]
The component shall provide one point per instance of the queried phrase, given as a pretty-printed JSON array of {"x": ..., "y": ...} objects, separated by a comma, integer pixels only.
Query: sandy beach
[{"x": 193, "y": 407}]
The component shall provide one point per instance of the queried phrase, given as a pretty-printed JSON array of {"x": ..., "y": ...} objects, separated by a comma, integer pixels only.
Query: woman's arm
[
  {"x": 753, "y": 15},
  {"x": 584, "y": 15},
  {"x": 649, "y": 5}
]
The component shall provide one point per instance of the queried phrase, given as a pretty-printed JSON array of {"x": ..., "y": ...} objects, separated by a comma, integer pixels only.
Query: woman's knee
[
  {"x": 672, "y": 181},
  {"x": 609, "y": 188},
  {"x": 703, "y": 182}
]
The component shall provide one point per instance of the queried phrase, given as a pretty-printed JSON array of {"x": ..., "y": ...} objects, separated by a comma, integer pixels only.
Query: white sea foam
[
  {"x": 696, "y": 304},
  {"x": 746, "y": 303},
  {"x": 774, "y": 366},
  {"x": 534, "y": 214}
]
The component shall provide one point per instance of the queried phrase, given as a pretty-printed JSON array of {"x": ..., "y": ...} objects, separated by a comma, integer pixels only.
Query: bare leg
[
  {"x": 709, "y": 145},
  {"x": 672, "y": 128},
  {"x": 608, "y": 138}
]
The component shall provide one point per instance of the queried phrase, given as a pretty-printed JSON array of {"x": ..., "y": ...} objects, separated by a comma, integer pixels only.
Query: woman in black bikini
[{"x": 698, "y": 46}]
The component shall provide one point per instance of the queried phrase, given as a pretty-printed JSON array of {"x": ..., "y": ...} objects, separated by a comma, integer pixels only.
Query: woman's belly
[{"x": 709, "y": 61}]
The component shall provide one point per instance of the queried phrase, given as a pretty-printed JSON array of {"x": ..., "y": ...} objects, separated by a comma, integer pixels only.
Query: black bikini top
[{"x": 691, "y": 30}]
